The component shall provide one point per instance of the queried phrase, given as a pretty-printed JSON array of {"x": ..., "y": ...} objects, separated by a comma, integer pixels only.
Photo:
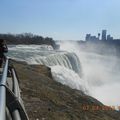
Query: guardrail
[{"x": 11, "y": 105}]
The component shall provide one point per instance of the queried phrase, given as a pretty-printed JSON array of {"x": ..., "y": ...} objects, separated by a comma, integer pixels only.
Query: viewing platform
[{"x": 11, "y": 105}]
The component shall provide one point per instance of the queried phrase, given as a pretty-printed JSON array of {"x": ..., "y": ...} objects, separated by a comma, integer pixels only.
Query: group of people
[{"x": 3, "y": 49}]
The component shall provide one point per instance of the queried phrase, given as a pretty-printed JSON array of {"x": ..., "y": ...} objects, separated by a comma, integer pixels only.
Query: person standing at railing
[{"x": 3, "y": 49}]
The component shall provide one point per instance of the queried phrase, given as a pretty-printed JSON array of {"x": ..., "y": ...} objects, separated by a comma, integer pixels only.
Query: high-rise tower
[{"x": 104, "y": 32}]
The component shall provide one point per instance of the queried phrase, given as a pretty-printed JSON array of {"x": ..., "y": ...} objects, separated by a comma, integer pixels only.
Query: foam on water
[
  {"x": 102, "y": 73},
  {"x": 69, "y": 77},
  {"x": 66, "y": 67}
]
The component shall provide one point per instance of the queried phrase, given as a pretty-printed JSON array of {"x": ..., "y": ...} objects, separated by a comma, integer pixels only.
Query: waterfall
[
  {"x": 69, "y": 77},
  {"x": 40, "y": 55},
  {"x": 65, "y": 66},
  {"x": 65, "y": 59},
  {"x": 100, "y": 71},
  {"x": 99, "y": 75}
]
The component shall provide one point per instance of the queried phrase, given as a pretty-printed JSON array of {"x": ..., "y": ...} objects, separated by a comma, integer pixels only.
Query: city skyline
[
  {"x": 100, "y": 36},
  {"x": 61, "y": 20}
]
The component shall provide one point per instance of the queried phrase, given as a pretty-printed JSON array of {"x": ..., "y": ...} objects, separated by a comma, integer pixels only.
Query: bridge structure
[{"x": 11, "y": 104}]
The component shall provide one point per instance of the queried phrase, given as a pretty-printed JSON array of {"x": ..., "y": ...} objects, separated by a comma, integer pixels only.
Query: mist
[{"x": 100, "y": 72}]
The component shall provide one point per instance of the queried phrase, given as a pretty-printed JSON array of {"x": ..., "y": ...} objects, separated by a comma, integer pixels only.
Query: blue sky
[{"x": 60, "y": 19}]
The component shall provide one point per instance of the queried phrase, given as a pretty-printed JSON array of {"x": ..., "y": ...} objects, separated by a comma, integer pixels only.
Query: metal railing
[{"x": 11, "y": 105}]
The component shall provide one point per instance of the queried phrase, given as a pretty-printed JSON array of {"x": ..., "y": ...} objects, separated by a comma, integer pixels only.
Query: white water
[
  {"x": 101, "y": 72},
  {"x": 65, "y": 66},
  {"x": 69, "y": 77}
]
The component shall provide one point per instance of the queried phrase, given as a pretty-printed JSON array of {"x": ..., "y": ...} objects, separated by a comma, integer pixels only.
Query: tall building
[
  {"x": 109, "y": 37},
  {"x": 88, "y": 37},
  {"x": 104, "y": 32},
  {"x": 98, "y": 36},
  {"x": 91, "y": 38}
]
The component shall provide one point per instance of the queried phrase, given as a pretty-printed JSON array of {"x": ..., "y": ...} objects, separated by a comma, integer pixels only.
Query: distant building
[
  {"x": 88, "y": 36},
  {"x": 93, "y": 38},
  {"x": 103, "y": 36},
  {"x": 104, "y": 32},
  {"x": 109, "y": 37},
  {"x": 98, "y": 36}
]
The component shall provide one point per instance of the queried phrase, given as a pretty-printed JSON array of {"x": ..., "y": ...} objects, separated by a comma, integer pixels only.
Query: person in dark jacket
[{"x": 3, "y": 49}]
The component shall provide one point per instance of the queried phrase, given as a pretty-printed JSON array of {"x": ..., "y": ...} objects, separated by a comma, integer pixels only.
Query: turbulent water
[
  {"x": 101, "y": 72},
  {"x": 98, "y": 75},
  {"x": 66, "y": 67}
]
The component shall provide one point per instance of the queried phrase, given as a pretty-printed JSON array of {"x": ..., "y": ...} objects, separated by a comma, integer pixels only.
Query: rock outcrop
[{"x": 46, "y": 99}]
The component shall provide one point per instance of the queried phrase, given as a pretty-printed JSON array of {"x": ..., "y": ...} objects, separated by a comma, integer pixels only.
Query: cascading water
[
  {"x": 65, "y": 66},
  {"x": 65, "y": 59},
  {"x": 101, "y": 72}
]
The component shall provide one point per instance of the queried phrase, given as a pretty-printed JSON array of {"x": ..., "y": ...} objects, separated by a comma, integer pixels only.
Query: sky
[{"x": 60, "y": 19}]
